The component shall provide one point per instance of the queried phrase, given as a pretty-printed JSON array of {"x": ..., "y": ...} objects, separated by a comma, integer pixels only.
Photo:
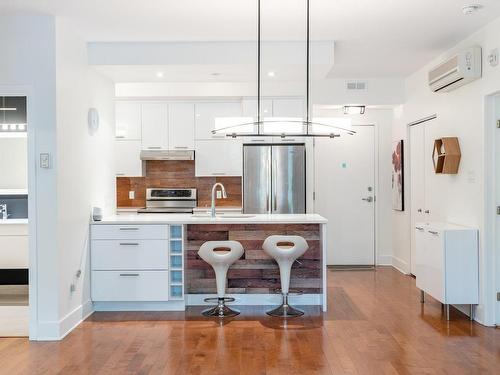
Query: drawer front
[
  {"x": 124, "y": 286},
  {"x": 129, "y": 255},
  {"x": 129, "y": 232}
]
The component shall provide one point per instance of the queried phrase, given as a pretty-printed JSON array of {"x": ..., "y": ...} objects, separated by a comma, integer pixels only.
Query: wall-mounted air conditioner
[{"x": 457, "y": 71}]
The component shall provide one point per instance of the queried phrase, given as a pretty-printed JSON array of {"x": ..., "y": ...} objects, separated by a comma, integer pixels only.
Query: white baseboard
[
  {"x": 384, "y": 260},
  {"x": 400, "y": 265},
  {"x": 57, "y": 330},
  {"x": 140, "y": 306},
  {"x": 256, "y": 299}
]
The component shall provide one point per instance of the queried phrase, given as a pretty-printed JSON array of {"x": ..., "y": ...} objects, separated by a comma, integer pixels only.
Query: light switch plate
[
  {"x": 45, "y": 160},
  {"x": 131, "y": 194}
]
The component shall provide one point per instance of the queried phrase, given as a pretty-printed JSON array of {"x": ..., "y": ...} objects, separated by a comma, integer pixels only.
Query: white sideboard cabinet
[{"x": 447, "y": 264}]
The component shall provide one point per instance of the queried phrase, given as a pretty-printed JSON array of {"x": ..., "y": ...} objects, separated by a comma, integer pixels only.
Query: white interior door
[
  {"x": 345, "y": 195},
  {"x": 417, "y": 181}
]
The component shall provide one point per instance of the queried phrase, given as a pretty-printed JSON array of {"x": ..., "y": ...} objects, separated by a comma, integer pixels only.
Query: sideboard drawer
[
  {"x": 129, "y": 255},
  {"x": 130, "y": 232},
  {"x": 129, "y": 286}
]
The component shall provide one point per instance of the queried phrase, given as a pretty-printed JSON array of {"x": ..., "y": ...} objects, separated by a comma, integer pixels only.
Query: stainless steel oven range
[{"x": 167, "y": 200}]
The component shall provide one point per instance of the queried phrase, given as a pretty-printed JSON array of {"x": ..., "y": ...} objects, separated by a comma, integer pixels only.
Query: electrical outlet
[
  {"x": 45, "y": 160},
  {"x": 219, "y": 194},
  {"x": 72, "y": 287},
  {"x": 131, "y": 195}
]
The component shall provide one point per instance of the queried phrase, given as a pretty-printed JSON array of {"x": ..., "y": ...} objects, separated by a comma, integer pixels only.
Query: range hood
[{"x": 167, "y": 155}]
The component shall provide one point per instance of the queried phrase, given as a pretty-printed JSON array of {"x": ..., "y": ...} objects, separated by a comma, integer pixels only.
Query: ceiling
[{"x": 384, "y": 38}]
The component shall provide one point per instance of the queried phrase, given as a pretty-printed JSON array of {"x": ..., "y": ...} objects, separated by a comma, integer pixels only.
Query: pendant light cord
[
  {"x": 258, "y": 67},
  {"x": 307, "y": 66}
]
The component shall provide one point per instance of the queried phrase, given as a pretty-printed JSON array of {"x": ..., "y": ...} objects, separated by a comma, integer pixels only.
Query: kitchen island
[{"x": 150, "y": 262}]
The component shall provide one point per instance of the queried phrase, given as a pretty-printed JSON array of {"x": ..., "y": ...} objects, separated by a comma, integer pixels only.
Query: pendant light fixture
[{"x": 311, "y": 127}]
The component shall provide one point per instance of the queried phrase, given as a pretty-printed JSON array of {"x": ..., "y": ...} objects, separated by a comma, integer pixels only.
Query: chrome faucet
[
  {"x": 224, "y": 195},
  {"x": 3, "y": 211}
]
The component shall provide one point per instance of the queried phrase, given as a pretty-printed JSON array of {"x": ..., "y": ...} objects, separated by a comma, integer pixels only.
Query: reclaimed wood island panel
[{"x": 255, "y": 272}]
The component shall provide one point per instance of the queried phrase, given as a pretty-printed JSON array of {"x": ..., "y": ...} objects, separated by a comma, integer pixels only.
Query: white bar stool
[
  {"x": 220, "y": 255},
  {"x": 285, "y": 250}
]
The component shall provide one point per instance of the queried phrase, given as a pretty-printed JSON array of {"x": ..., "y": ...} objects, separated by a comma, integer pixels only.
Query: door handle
[
  {"x": 433, "y": 232},
  {"x": 368, "y": 199},
  {"x": 129, "y": 244},
  {"x": 419, "y": 210},
  {"x": 427, "y": 211},
  {"x": 419, "y": 228},
  {"x": 129, "y": 274}
]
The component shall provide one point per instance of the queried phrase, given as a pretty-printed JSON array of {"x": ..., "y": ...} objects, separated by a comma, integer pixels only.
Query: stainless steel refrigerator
[{"x": 274, "y": 179}]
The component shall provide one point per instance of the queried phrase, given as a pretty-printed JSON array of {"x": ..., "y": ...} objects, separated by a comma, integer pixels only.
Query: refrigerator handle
[
  {"x": 275, "y": 181},
  {"x": 268, "y": 189}
]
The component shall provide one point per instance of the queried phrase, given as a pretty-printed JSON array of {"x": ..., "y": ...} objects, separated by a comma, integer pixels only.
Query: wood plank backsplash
[
  {"x": 175, "y": 174},
  {"x": 255, "y": 271}
]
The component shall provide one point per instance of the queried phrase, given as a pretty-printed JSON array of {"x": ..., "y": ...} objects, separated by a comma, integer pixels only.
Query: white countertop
[
  {"x": 13, "y": 192},
  {"x": 13, "y": 221},
  {"x": 146, "y": 218}
]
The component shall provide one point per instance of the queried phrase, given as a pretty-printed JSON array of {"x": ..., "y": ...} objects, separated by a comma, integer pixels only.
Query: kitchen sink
[{"x": 228, "y": 215}]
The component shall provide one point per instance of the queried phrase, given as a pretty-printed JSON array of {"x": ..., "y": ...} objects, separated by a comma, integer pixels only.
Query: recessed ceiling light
[
  {"x": 159, "y": 74},
  {"x": 471, "y": 8},
  {"x": 271, "y": 74}
]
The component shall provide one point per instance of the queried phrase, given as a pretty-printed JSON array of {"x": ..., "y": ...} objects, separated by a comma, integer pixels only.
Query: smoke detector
[{"x": 471, "y": 8}]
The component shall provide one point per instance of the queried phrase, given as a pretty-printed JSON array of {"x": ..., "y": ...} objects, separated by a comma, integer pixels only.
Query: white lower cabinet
[
  {"x": 447, "y": 264},
  {"x": 137, "y": 263},
  {"x": 219, "y": 158},
  {"x": 127, "y": 254},
  {"x": 130, "y": 286}
]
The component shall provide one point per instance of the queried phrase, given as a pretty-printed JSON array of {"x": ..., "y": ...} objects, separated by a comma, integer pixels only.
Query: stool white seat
[
  {"x": 221, "y": 255},
  {"x": 285, "y": 250}
]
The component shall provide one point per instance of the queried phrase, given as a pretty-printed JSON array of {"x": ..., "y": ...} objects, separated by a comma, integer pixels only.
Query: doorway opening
[{"x": 14, "y": 236}]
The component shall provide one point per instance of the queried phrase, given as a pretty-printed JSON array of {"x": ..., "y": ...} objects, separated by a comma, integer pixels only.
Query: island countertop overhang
[{"x": 157, "y": 218}]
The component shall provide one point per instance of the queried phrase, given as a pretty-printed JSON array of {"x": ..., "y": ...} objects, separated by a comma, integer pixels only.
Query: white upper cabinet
[
  {"x": 154, "y": 126},
  {"x": 206, "y": 113},
  {"x": 128, "y": 120},
  {"x": 127, "y": 158},
  {"x": 219, "y": 157},
  {"x": 181, "y": 126}
]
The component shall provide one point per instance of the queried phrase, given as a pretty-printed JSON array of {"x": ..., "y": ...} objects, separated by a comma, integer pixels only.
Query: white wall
[
  {"x": 460, "y": 198},
  {"x": 85, "y": 176},
  {"x": 27, "y": 67},
  {"x": 383, "y": 121},
  {"x": 13, "y": 162},
  {"x": 383, "y": 91}
]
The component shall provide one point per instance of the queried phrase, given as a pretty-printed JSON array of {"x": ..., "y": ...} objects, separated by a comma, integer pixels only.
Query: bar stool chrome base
[
  {"x": 221, "y": 310},
  {"x": 285, "y": 310}
]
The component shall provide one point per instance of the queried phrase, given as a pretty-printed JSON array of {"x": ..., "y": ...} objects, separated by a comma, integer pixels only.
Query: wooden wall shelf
[{"x": 446, "y": 155}]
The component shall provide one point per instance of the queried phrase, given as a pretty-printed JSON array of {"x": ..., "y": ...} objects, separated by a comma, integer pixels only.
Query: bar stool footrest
[
  {"x": 217, "y": 299},
  {"x": 291, "y": 292}
]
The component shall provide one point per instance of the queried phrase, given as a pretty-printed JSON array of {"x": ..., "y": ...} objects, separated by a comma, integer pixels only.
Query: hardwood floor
[{"x": 375, "y": 325}]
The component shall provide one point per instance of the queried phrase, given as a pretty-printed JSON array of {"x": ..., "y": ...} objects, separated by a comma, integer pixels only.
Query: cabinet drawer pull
[
  {"x": 182, "y": 147},
  {"x": 426, "y": 211},
  {"x": 433, "y": 232},
  {"x": 120, "y": 174},
  {"x": 218, "y": 174},
  {"x": 154, "y": 147},
  {"x": 129, "y": 228},
  {"x": 419, "y": 228},
  {"x": 129, "y": 244},
  {"x": 129, "y": 274}
]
